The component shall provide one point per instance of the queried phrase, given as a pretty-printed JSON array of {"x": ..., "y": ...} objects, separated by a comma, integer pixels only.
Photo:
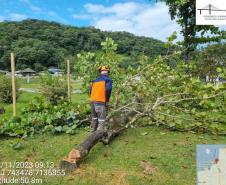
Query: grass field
[
  {"x": 173, "y": 153},
  {"x": 23, "y": 100},
  {"x": 35, "y": 83}
]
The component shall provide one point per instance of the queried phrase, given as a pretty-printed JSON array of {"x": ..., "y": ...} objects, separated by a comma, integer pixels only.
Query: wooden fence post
[
  {"x": 68, "y": 81},
  {"x": 13, "y": 83}
]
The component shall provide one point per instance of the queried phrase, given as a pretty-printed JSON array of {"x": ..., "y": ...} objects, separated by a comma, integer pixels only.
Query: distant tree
[
  {"x": 30, "y": 52},
  {"x": 38, "y": 67},
  {"x": 184, "y": 12}
]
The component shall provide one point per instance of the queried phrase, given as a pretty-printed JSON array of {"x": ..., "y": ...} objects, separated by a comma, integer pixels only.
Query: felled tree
[{"x": 156, "y": 94}]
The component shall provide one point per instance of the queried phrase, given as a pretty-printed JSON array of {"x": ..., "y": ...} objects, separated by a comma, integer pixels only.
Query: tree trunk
[{"x": 70, "y": 162}]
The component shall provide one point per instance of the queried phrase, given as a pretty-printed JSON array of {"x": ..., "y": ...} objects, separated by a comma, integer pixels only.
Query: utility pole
[
  {"x": 68, "y": 81},
  {"x": 210, "y": 9},
  {"x": 13, "y": 83}
]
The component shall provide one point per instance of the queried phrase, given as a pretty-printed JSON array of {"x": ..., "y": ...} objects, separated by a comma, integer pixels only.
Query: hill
[{"x": 39, "y": 44}]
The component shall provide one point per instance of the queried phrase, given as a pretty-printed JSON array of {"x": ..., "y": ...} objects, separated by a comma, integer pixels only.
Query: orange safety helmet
[{"x": 104, "y": 68}]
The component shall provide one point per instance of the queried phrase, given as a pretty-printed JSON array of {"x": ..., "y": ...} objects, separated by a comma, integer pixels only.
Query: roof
[{"x": 54, "y": 70}]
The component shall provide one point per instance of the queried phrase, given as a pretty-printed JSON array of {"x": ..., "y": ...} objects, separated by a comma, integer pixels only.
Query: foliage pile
[
  {"x": 177, "y": 99},
  {"x": 159, "y": 94},
  {"x": 42, "y": 116}
]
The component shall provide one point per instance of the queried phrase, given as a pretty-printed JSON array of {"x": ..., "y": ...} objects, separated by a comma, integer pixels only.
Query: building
[{"x": 26, "y": 72}]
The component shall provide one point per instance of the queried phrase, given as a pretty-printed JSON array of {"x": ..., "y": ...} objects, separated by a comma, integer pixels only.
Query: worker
[{"x": 100, "y": 92}]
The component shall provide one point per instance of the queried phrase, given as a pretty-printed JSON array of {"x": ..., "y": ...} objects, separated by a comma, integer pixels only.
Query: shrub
[
  {"x": 53, "y": 88},
  {"x": 13, "y": 127},
  {"x": 6, "y": 89}
]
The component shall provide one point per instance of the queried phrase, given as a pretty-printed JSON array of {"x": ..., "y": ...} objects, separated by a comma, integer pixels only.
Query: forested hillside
[{"x": 39, "y": 44}]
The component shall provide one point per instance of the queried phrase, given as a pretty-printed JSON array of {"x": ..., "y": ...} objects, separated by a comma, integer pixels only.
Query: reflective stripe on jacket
[{"x": 100, "y": 90}]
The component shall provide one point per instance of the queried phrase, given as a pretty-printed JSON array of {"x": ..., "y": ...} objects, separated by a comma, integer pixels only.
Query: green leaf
[
  {"x": 59, "y": 129},
  {"x": 209, "y": 85},
  {"x": 219, "y": 70},
  {"x": 171, "y": 124},
  {"x": 162, "y": 133},
  {"x": 74, "y": 127},
  {"x": 144, "y": 133},
  {"x": 205, "y": 96}
]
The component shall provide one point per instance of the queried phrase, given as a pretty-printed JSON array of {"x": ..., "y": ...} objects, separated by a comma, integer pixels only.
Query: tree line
[{"x": 40, "y": 44}]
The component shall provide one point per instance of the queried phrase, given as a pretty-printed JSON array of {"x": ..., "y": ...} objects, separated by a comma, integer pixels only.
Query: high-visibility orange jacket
[{"x": 100, "y": 90}]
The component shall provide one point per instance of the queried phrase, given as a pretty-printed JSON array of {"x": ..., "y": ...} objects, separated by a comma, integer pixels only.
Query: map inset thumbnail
[{"x": 211, "y": 164}]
